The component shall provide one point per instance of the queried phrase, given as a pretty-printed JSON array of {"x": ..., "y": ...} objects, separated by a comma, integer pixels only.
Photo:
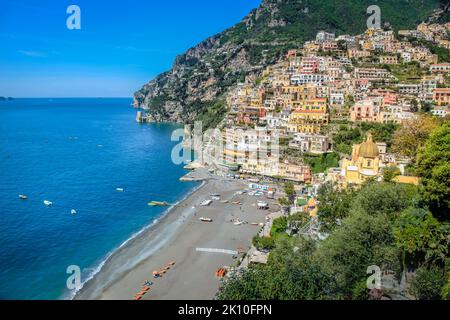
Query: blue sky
[{"x": 120, "y": 47}]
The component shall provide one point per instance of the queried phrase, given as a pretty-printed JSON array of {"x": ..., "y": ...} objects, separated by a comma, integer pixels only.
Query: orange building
[{"x": 441, "y": 96}]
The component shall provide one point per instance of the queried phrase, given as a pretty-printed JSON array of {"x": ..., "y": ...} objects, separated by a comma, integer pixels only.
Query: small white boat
[
  {"x": 238, "y": 222},
  {"x": 120, "y": 189},
  {"x": 48, "y": 203},
  {"x": 206, "y": 203},
  {"x": 73, "y": 211},
  {"x": 23, "y": 197},
  {"x": 206, "y": 219}
]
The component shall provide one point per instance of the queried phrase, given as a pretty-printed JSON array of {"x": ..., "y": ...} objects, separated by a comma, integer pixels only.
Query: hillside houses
[{"x": 334, "y": 79}]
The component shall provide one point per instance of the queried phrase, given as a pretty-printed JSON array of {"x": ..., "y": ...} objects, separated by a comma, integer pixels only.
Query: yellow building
[
  {"x": 364, "y": 164},
  {"x": 310, "y": 116}
]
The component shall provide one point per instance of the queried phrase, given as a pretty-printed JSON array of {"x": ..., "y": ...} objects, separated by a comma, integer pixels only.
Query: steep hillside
[{"x": 194, "y": 88}]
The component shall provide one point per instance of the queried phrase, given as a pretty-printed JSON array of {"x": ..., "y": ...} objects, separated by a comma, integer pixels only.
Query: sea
[{"x": 78, "y": 154}]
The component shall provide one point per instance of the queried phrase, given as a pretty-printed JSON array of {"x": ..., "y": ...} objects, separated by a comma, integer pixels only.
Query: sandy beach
[{"x": 178, "y": 237}]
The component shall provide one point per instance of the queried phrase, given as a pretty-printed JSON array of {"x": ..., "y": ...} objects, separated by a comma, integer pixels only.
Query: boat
[
  {"x": 23, "y": 197},
  {"x": 120, "y": 190},
  {"x": 48, "y": 203},
  {"x": 73, "y": 211},
  {"x": 206, "y": 219},
  {"x": 206, "y": 203},
  {"x": 238, "y": 222},
  {"x": 158, "y": 204}
]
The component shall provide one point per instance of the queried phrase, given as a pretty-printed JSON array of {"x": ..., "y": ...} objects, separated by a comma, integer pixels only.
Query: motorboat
[
  {"x": 48, "y": 203},
  {"x": 158, "y": 204},
  {"x": 206, "y": 219},
  {"x": 23, "y": 197},
  {"x": 73, "y": 211}
]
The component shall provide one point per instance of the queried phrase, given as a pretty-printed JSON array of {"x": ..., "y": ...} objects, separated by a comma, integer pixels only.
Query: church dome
[{"x": 369, "y": 149}]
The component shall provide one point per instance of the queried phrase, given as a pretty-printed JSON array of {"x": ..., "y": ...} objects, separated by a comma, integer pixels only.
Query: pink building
[
  {"x": 310, "y": 65},
  {"x": 367, "y": 110}
]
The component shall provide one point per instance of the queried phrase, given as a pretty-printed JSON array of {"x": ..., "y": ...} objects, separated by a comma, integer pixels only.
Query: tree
[
  {"x": 427, "y": 283},
  {"x": 361, "y": 241},
  {"x": 385, "y": 198},
  {"x": 334, "y": 205},
  {"x": 413, "y": 135},
  {"x": 283, "y": 202},
  {"x": 421, "y": 238},
  {"x": 445, "y": 293},
  {"x": 290, "y": 274},
  {"x": 263, "y": 243},
  {"x": 289, "y": 190},
  {"x": 414, "y": 105},
  {"x": 389, "y": 173},
  {"x": 433, "y": 166}
]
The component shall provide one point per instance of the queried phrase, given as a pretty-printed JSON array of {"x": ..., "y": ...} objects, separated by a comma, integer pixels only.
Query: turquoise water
[{"x": 75, "y": 153}]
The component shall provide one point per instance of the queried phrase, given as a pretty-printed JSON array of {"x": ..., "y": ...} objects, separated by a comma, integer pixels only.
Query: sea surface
[{"x": 76, "y": 153}]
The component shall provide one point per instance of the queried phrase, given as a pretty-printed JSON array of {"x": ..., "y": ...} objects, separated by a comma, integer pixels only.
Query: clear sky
[{"x": 121, "y": 44}]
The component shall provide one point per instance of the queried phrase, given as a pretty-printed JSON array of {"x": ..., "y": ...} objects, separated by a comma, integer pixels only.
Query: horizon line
[{"x": 112, "y": 97}]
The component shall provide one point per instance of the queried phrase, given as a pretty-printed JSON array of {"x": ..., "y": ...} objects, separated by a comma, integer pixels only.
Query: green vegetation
[
  {"x": 290, "y": 274},
  {"x": 442, "y": 53},
  {"x": 211, "y": 113},
  {"x": 346, "y": 136},
  {"x": 433, "y": 165},
  {"x": 266, "y": 35},
  {"x": 277, "y": 232},
  {"x": 393, "y": 226},
  {"x": 413, "y": 135},
  {"x": 389, "y": 173},
  {"x": 408, "y": 72},
  {"x": 321, "y": 163},
  {"x": 426, "y": 283}
]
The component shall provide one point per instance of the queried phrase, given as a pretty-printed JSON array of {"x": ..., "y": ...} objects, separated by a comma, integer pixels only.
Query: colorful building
[{"x": 310, "y": 116}]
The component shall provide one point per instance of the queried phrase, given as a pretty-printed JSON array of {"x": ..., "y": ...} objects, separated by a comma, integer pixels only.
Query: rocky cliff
[{"x": 196, "y": 85}]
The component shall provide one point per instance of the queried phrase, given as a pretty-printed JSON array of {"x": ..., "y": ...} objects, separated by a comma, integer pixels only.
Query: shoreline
[
  {"x": 177, "y": 236},
  {"x": 129, "y": 242}
]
